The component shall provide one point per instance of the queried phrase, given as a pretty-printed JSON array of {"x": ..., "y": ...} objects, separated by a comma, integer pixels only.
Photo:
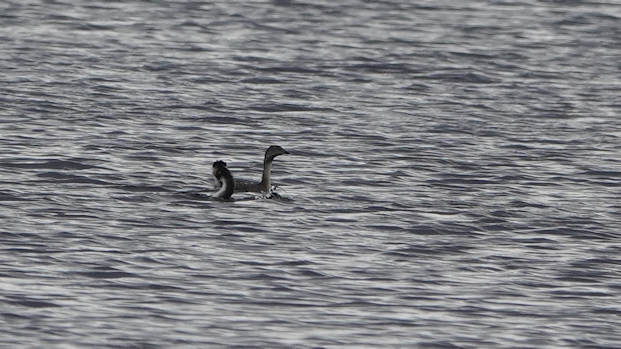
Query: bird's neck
[
  {"x": 226, "y": 190},
  {"x": 266, "y": 180}
]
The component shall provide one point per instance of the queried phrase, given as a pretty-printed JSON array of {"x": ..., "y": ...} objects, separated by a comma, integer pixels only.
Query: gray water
[{"x": 453, "y": 179}]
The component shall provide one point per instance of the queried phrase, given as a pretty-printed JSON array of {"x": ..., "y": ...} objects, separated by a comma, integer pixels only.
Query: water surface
[{"x": 453, "y": 179}]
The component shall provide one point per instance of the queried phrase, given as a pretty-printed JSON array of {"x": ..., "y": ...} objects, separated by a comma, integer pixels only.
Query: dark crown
[{"x": 219, "y": 163}]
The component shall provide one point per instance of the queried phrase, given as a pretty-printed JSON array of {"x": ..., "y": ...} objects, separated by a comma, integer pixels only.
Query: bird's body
[{"x": 265, "y": 185}]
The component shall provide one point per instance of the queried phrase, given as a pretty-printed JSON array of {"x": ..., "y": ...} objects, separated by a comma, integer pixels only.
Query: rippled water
[{"x": 453, "y": 182}]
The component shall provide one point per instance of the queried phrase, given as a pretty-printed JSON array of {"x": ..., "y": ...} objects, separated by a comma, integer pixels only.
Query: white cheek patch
[{"x": 220, "y": 192}]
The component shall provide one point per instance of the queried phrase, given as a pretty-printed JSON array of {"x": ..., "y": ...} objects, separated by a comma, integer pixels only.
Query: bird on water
[
  {"x": 265, "y": 185},
  {"x": 224, "y": 179}
]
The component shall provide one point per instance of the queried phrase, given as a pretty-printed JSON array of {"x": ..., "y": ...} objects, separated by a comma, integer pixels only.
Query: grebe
[
  {"x": 224, "y": 178},
  {"x": 266, "y": 182}
]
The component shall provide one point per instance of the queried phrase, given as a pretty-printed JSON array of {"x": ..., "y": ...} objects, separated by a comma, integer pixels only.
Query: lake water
[{"x": 453, "y": 182}]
